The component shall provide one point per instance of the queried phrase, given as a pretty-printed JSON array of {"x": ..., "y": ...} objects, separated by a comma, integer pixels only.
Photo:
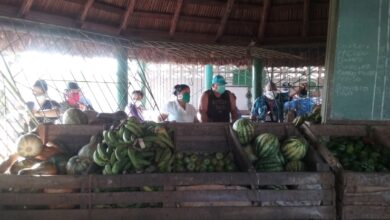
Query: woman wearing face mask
[
  {"x": 268, "y": 107},
  {"x": 180, "y": 110},
  {"x": 75, "y": 99},
  {"x": 45, "y": 110}
]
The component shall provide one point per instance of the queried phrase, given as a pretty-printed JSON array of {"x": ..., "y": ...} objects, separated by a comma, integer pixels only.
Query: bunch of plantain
[
  {"x": 204, "y": 162},
  {"x": 134, "y": 147}
]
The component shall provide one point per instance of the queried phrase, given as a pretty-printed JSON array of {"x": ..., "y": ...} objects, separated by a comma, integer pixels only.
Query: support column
[
  {"x": 122, "y": 78},
  {"x": 308, "y": 80},
  {"x": 141, "y": 73},
  {"x": 208, "y": 76},
  {"x": 257, "y": 75}
]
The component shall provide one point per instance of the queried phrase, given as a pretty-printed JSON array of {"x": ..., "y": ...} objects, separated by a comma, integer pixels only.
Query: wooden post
[
  {"x": 122, "y": 78},
  {"x": 208, "y": 76},
  {"x": 257, "y": 75}
]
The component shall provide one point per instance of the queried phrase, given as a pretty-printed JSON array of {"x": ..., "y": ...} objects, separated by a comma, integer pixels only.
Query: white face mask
[
  {"x": 270, "y": 94},
  {"x": 41, "y": 98}
]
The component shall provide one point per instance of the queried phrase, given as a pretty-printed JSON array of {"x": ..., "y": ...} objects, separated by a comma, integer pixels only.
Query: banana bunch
[
  {"x": 135, "y": 147},
  {"x": 204, "y": 162}
]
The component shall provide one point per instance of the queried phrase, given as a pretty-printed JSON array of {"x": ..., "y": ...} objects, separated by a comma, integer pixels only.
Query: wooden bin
[
  {"x": 313, "y": 190},
  {"x": 89, "y": 197},
  {"x": 359, "y": 195}
]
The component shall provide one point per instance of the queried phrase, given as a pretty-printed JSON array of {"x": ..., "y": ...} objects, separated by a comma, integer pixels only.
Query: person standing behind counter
[
  {"x": 180, "y": 110},
  {"x": 218, "y": 104}
]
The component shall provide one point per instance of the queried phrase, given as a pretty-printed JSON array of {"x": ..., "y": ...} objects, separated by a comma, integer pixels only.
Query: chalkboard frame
[{"x": 329, "y": 69}]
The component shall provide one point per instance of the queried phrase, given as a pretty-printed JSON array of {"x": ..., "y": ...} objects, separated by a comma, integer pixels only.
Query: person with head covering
[
  {"x": 75, "y": 99},
  {"x": 267, "y": 107},
  {"x": 180, "y": 110},
  {"x": 44, "y": 109},
  {"x": 218, "y": 104},
  {"x": 302, "y": 104},
  {"x": 135, "y": 108}
]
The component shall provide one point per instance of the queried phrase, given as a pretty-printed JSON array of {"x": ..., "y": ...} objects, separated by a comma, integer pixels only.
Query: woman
[
  {"x": 46, "y": 110},
  {"x": 180, "y": 110},
  {"x": 135, "y": 108}
]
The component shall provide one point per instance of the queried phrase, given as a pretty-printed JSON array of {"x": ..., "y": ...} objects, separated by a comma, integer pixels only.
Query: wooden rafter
[
  {"x": 224, "y": 19},
  {"x": 87, "y": 6},
  {"x": 264, "y": 16},
  {"x": 128, "y": 13},
  {"x": 175, "y": 18},
  {"x": 306, "y": 15},
  {"x": 25, "y": 8}
]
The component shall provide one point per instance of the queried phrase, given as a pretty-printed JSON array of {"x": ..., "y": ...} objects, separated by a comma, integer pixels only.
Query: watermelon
[
  {"x": 244, "y": 129},
  {"x": 266, "y": 145},
  {"x": 295, "y": 166},
  {"x": 269, "y": 164},
  {"x": 294, "y": 148}
]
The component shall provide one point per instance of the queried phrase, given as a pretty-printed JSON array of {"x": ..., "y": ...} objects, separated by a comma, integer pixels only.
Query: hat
[
  {"x": 41, "y": 84},
  {"x": 218, "y": 79},
  {"x": 72, "y": 85}
]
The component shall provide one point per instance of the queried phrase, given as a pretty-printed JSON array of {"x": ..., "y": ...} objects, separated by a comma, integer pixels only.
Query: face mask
[
  {"x": 221, "y": 89},
  {"x": 73, "y": 98},
  {"x": 270, "y": 94},
  {"x": 41, "y": 98},
  {"x": 185, "y": 97}
]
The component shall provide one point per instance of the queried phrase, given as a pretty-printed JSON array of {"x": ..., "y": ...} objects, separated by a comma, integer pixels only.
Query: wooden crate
[
  {"x": 305, "y": 194},
  {"x": 84, "y": 201},
  {"x": 359, "y": 195}
]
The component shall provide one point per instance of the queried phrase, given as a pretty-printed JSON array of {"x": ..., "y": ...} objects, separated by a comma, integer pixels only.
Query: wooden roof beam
[
  {"x": 305, "y": 20},
  {"x": 175, "y": 18},
  {"x": 228, "y": 10},
  {"x": 87, "y": 6},
  {"x": 264, "y": 17},
  {"x": 25, "y": 8},
  {"x": 128, "y": 13}
]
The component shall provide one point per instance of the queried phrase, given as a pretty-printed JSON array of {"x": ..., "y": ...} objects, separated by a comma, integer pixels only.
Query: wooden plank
[
  {"x": 200, "y": 129},
  {"x": 202, "y": 146},
  {"x": 365, "y": 212},
  {"x": 88, "y": 4},
  {"x": 127, "y": 14},
  {"x": 325, "y": 196},
  {"x": 224, "y": 19},
  {"x": 168, "y": 179},
  {"x": 228, "y": 213},
  {"x": 175, "y": 18},
  {"x": 339, "y": 130},
  {"x": 305, "y": 18},
  {"x": 263, "y": 21},
  {"x": 380, "y": 197},
  {"x": 354, "y": 179},
  {"x": 25, "y": 8},
  {"x": 381, "y": 134},
  {"x": 238, "y": 152}
]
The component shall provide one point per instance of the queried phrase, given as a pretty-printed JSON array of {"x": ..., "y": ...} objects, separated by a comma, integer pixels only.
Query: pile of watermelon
[
  {"x": 267, "y": 153},
  {"x": 360, "y": 154}
]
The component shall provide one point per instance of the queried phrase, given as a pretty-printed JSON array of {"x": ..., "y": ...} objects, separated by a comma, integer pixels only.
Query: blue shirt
[
  {"x": 301, "y": 106},
  {"x": 263, "y": 105}
]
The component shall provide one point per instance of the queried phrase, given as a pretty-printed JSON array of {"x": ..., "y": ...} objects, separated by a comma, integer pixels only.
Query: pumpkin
[
  {"x": 88, "y": 149},
  {"x": 29, "y": 145},
  {"x": 22, "y": 164},
  {"x": 60, "y": 161},
  {"x": 78, "y": 165},
  {"x": 74, "y": 116},
  {"x": 48, "y": 152},
  {"x": 44, "y": 168}
]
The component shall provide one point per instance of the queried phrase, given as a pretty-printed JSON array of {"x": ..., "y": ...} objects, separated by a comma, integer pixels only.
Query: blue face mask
[{"x": 221, "y": 89}]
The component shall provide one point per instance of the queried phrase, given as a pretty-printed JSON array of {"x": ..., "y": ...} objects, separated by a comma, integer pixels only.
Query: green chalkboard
[{"x": 359, "y": 73}]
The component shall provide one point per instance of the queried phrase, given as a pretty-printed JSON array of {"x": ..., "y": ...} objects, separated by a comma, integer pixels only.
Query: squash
[
  {"x": 23, "y": 164},
  {"x": 78, "y": 165},
  {"x": 74, "y": 116},
  {"x": 43, "y": 169},
  {"x": 88, "y": 149},
  {"x": 60, "y": 161},
  {"x": 29, "y": 145},
  {"x": 48, "y": 152}
]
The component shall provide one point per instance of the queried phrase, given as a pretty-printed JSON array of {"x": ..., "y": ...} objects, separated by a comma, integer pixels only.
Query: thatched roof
[{"x": 217, "y": 31}]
